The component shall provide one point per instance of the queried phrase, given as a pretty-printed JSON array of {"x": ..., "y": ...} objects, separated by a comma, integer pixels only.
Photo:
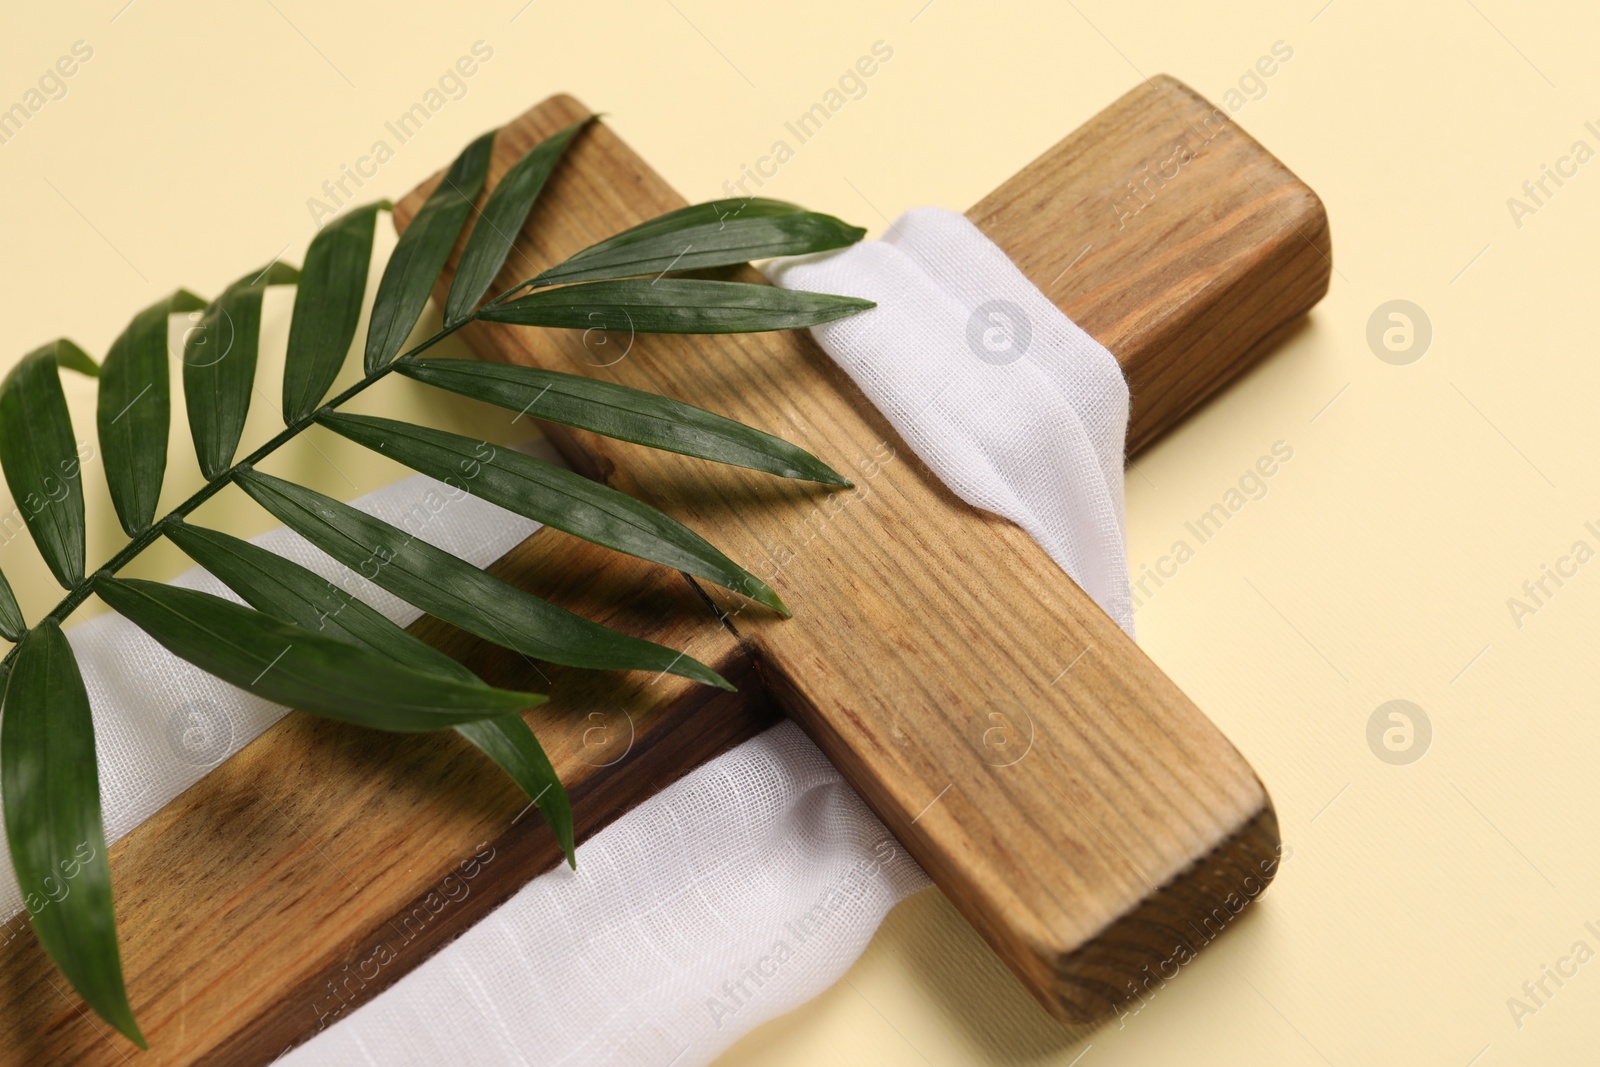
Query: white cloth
[
  {"x": 753, "y": 883},
  {"x": 1013, "y": 406},
  {"x": 733, "y": 895}
]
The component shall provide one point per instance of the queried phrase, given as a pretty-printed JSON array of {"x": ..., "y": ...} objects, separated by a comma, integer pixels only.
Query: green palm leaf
[
  {"x": 135, "y": 413},
  {"x": 13, "y": 627},
  {"x": 618, "y": 411},
  {"x": 219, "y": 366},
  {"x": 421, "y": 252},
  {"x": 503, "y": 216},
  {"x": 40, "y": 455},
  {"x": 51, "y": 789},
  {"x": 554, "y": 496},
  {"x": 327, "y": 308},
  {"x": 709, "y": 211},
  {"x": 717, "y": 234},
  {"x": 510, "y": 742},
  {"x": 301, "y": 668},
  {"x": 459, "y": 593},
  {"x": 284, "y": 589},
  {"x": 674, "y": 305},
  {"x": 303, "y": 642}
]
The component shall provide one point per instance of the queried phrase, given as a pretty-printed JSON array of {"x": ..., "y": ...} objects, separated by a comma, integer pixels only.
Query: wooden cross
[{"x": 304, "y": 875}]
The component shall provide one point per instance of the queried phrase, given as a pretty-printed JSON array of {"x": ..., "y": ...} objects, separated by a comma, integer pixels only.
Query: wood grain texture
[
  {"x": 1198, "y": 248},
  {"x": 248, "y": 904}
]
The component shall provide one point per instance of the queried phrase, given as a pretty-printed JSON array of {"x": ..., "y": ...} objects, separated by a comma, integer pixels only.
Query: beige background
[{"x": 1377, "y": 567}]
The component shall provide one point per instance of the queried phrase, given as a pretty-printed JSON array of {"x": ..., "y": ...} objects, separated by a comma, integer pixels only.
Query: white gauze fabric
[
  {"x": 1013, "y": 406},
  {"x": 752, "y": 884},
  {"x": 735, "y": 894}
]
